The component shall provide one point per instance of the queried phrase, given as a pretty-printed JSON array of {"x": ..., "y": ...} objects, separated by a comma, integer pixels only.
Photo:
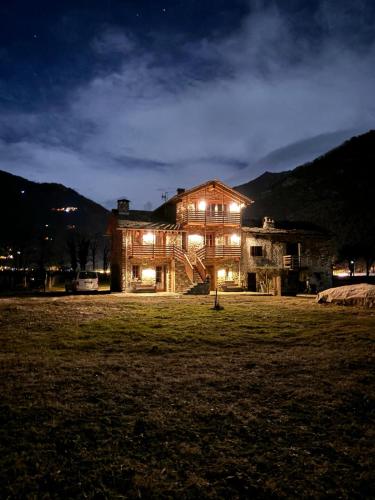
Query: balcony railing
[
  {"x": 152, "y": 251},
  {"x": 163, "y": 252},
  {"x": 209, "y": 217},
  {"x": 292, "y": 262},
  {"x": 219, "y": 252}
]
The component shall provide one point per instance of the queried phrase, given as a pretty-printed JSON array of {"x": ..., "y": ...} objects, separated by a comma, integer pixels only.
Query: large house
[{"x": 196, "y": 241}]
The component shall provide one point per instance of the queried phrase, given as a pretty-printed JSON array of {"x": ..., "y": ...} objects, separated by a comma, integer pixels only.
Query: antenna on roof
[{"x": 164, "y": 196}]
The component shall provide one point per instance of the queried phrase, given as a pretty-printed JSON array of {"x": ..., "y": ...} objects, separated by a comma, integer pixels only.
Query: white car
[{"x": 84, "y": 281}]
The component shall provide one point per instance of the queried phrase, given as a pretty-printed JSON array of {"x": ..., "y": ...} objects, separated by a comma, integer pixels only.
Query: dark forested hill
[
  {"x": 39, "y": 218},
  {"x": 335, "y": 191}
]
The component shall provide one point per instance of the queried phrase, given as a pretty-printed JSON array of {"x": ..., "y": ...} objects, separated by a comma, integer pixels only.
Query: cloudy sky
[{"x": 134, "y": 98}]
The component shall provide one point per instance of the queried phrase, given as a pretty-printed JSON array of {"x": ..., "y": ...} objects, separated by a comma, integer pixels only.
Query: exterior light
[
  {"x": 221, "y": 273},
  {"x": 235, "y": 239},
  {"x": 148, "y": 274},
  {"x": 234, "y": 207},
  {"x": 202, "y": 205},
  {"x": 148, "y": 239},
  {"x": 196, "y": 239}
]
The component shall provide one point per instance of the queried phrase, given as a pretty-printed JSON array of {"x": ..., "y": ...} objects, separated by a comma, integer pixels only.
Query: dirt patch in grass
[{"x": 115, "y": 397}]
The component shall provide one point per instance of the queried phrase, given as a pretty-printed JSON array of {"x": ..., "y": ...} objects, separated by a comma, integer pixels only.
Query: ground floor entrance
[{"x": 251, "y": 282}]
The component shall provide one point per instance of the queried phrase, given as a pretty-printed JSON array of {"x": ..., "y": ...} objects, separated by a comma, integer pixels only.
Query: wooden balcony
[
  {"x": 292, "y": 262},
  {"x": 152, "y": 251},
  {"x": 201, "y": 217},
  {"x": 219, "y": 252},
  {"x": 163, "y": 252}
]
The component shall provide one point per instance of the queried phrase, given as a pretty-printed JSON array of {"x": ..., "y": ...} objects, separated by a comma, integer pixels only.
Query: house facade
[{"x": 196, "y": 242}]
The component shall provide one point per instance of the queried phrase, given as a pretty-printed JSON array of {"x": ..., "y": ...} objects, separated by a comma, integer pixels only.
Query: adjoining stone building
[
  {"x": 285, "y": 260},
  {"x": 196, "y": 241}
]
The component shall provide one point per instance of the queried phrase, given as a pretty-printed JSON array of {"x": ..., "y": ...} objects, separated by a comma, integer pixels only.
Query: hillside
[
  {"x": 42, "y": 217},
  {"x": 335, "y": 191}
]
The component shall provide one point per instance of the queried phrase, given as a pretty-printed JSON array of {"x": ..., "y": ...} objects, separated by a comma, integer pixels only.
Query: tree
[
  {"x": 72, "y": 249},
  {"x": 83, "y": 251},
  {"x": 105, "y": 257},
  {"x": 94, "y": 249}
]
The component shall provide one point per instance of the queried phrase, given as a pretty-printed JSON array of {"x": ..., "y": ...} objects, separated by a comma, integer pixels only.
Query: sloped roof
[
  {"x": 143, "y": 219},
  {"x": 214, "y": 183},
  {"x": 280, "y": 231}
]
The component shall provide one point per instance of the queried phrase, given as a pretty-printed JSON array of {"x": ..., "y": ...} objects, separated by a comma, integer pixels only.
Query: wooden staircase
[{"x": 190, "y": 277}]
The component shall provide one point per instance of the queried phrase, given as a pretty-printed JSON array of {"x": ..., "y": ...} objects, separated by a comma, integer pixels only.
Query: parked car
[{"x": 83, "y": 281}]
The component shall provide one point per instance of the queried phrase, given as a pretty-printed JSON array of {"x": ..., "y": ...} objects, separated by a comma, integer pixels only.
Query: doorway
[
  {"x": 251, "y": 282},
  {"x": 160, "y": 278}
]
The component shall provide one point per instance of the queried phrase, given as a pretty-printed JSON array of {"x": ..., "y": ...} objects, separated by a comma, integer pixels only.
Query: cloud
[{"x": 206, "y": 111}]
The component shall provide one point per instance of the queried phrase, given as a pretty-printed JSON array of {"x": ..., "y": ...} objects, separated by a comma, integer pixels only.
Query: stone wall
[
  {"x": 182, "y": 282},
  {"x": 316, "y": 254}
]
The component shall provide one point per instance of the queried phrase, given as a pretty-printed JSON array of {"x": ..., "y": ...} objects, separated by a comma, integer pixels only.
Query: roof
[
  {"x": 143, "y": 219},
  {"x": 279, "y": 231},
  {"x": 214, "y": 183}
]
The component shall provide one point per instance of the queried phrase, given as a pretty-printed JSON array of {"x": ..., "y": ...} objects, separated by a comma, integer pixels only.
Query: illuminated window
[
  {"x": 221, "y": 273},
  {"x": 235, "y": 239},
  {"x": 202, "y": 205},
  {"x": 148, "y": 274},
  {"x": 148, "y": 239},
  {"x": 234, "y": 207},
  {"x": 196, "y": 239}
]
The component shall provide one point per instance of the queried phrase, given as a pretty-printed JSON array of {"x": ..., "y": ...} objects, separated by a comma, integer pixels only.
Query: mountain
[
  {"x": 39, "y": 218},
  {"x": 297, "y": 153},
  {"x": 335, "y": 191}
]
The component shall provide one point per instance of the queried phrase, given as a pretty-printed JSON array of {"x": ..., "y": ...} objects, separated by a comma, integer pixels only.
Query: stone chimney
[
  {"x": 123, "y": 207},
  {"x": 268, "y": 223},
  {"x": 180, "y": 190}
]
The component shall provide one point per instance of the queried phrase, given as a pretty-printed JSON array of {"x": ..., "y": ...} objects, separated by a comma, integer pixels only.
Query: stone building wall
[{"x": 316, "y": 254}]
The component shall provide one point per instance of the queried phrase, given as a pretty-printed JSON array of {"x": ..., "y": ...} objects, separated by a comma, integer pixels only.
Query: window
[
  {"x": 256, "y": 251},
  {"x": 292, "y": 249},
  {"x": 159, "y": 271},
  {"x": 135, "y": 273},
  {"x": 217, "y": 207},
  {"x": 210, "y": 240}
]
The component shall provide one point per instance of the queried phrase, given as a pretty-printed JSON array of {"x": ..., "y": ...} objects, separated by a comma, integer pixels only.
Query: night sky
[{"x": 134, "y": 98}]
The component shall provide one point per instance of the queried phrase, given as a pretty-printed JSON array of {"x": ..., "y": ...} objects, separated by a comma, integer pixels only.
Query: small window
[
  {"x": 135, "y": 273},
  {"x": 292, "y": 249},
  {"x": 256, "y": 251},
  {"x": 159, "y": 271},
  {"x": 210, "y": 240}
]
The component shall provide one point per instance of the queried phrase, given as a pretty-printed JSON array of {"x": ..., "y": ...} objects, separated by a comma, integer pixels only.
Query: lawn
[{"x": 163, "y": 397}]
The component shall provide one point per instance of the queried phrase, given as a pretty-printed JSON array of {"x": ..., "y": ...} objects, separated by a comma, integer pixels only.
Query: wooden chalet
[{"x": 191, "y": 240}]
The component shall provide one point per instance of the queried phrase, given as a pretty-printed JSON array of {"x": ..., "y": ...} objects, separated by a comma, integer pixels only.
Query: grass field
[{"x": 138, "y": 397}]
